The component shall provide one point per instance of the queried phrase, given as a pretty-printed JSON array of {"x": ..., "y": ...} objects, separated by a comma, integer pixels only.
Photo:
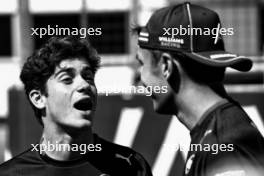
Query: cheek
[
  {"x": 59, "y": 101},
  {"x": 145, "y": 73},
  {"x": 149, "y": 75},
  {"x": 59, "y": 98}
]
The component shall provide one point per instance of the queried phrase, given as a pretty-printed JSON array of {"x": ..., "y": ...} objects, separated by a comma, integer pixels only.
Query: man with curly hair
[{"x": 59, "y": 83}]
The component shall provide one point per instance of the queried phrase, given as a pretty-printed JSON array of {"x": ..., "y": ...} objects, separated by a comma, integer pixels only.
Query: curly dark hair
[{"x": 42, "y": 63}]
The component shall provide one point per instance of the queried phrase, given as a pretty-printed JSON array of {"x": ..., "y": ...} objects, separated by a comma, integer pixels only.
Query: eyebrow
[
  {"x": 71, "y": 70},
  {"x": 67, "y": 70}
]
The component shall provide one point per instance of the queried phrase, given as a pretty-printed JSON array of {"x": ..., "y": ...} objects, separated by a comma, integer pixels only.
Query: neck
[
  {"x": 192, "y": 103},
  {"x": 60, "y": 138}
]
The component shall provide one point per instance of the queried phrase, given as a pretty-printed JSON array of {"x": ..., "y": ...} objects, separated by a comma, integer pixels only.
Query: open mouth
[{"x": 83, "y": 104}]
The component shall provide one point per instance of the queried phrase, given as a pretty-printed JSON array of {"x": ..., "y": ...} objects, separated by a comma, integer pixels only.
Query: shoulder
[
  {"x": 232, "y": 113},
  {"x": 18, "y": 163},
  {"x": 233, "y": 124},
  {"x": 239, "y": 144},
  {"x": 230, "y": 163},
  {"x": 124, "y": 156}
]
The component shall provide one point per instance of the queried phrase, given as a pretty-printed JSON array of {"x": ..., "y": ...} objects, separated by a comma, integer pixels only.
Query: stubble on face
[{"x": 151, "y": 75}]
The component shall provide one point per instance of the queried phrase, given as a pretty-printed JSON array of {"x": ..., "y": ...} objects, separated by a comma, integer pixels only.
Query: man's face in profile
[
  {"x": 72, "y": 94},
  {"x": 151, "y": 76}
]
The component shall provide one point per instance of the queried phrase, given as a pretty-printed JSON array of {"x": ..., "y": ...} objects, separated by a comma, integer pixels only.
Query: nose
[
  {"x": 86, "y": 89},
  {"x": 83, "y": 86}
]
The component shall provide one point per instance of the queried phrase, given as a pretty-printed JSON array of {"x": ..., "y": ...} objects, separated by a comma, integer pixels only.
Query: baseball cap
[{"x": 194, "y": 31}]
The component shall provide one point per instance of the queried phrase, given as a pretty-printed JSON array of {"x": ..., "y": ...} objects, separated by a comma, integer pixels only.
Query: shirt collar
[{"x": 206, "y": 113}]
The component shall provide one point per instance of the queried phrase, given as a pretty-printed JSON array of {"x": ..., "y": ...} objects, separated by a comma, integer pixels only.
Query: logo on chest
[{"x": 189, "y": 163}]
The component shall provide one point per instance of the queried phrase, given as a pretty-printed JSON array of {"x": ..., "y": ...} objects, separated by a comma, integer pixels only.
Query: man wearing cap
[{"x": 192, "y": 65}]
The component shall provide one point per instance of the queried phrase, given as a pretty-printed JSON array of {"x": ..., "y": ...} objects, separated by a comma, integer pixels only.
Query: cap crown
[{"x": 185, "y": 27}]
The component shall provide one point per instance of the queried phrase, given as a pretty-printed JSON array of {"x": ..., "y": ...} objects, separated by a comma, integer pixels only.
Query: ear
[
  {"x": 170, "y": 70},
  {"x": 167, "y": 65},
  {"x": 37, "y": 99}
]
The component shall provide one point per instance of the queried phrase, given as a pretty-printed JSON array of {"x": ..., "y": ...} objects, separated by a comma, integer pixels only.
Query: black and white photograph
[{"x": 131, "y": 88}]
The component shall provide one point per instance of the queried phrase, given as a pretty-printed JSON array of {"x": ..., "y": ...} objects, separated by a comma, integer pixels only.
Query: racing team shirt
[
  {"x": 225, "y": 142},
  {"x": 112, "y": 160}
]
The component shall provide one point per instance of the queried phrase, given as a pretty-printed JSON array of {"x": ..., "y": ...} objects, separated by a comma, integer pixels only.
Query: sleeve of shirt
[
  {"x": 230, "y": 163},
  {"x": 143, "y": 168}
]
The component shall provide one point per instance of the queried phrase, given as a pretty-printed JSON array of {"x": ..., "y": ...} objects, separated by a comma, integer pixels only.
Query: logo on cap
[
  {"x": 172, "y": 42},
  {"x": 143, "y": 36}
]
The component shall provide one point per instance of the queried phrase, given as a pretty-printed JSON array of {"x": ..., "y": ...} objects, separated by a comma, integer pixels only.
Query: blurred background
[{"x": 125, "y": 119}]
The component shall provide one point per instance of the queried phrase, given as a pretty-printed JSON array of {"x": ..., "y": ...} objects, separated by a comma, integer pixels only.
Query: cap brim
[{"x": 221, "y": 59}]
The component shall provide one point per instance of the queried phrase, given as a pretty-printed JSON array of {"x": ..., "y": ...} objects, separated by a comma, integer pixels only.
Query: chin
[
  {"x": 84, "y": 123},
  {"x": 85, "y": 117},
  {"x": 80, "y": 124},
  {"x": 82, "y": 119},
  {"x": 158, "y": 108}
]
